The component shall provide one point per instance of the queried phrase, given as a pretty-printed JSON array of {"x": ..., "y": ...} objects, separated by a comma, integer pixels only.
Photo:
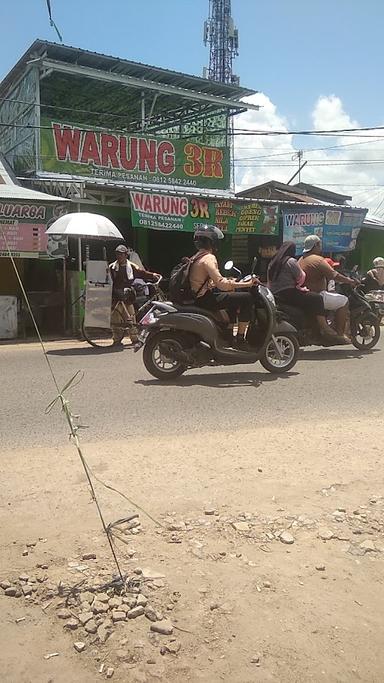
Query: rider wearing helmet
[
  {"x": 213, "y": 291},
  {"x": 375, "y": 277}
]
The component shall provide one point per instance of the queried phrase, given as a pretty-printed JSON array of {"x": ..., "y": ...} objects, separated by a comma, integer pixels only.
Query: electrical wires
[{"x": 52, "y": 22}]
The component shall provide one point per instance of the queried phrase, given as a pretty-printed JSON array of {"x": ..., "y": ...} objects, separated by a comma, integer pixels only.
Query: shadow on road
[
  {"x": 223, "y": 380},
  {"x": 335, "y": 354},
  {"x": 89, "y": 351}
]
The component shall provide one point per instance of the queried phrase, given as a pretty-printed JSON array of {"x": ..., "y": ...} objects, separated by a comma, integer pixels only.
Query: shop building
[
  {"x": 93, "y": 129},
  {"x": 307, "y": 209},
  {"x": 41, "y": 263},
  {"x": 370, "y": 243},
  {"x": 151, "y": 149}
]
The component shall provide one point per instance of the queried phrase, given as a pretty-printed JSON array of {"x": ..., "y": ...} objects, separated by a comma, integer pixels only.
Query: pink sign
[{"x": 23, "y": 237}]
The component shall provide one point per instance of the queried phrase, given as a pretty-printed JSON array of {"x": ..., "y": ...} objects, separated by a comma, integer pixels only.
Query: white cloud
[
  {"x": 329, "y": 113},
  {"x": 339, "y": 167}
]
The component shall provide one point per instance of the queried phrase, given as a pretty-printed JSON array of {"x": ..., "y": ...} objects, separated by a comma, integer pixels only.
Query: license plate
[
  {"x": 143, "y": 336},
  {"x": 141, "y": 340}
]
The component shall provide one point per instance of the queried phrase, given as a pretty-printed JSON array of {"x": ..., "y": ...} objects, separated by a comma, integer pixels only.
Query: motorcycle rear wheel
[
  {"x": 366, "y": 332},
  {"x": 156, "y": 361},
  {"x": 290, "y": 349}
]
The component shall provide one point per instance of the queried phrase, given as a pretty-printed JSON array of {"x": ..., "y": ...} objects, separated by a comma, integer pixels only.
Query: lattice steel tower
[{"x": 222, "y": 37}]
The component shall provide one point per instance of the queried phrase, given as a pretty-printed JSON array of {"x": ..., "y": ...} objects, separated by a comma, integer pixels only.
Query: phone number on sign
[{"x": 145, "y": 222}]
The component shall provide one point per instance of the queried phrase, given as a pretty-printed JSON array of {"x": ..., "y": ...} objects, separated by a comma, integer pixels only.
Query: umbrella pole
[
  {"x": 64, "y": 295},
  {"x": 79, "y": 254}
]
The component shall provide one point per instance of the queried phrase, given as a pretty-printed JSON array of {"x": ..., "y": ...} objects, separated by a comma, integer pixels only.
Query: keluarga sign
[
  {"x": 23, "y": 228},
  {"x": 31, "y": 212},
  {"x": 67, "y": 148}
]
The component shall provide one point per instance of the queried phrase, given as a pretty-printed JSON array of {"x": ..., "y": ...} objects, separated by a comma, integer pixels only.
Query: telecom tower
[{"x": 223, "y": 39}]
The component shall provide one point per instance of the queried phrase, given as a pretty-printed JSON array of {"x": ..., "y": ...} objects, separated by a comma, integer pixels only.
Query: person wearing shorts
[
  {"x": 286, "y": 279},
  {"x": 318, "y": 273}
]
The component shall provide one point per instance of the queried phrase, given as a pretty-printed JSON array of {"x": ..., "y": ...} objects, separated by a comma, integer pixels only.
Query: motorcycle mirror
[
  {"x": 228, "y": 265},
  {"x": 254, "y": 264}
]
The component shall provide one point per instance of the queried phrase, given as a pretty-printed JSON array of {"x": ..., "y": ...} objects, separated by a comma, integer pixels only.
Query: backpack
[{"x": 180, "y": 290}]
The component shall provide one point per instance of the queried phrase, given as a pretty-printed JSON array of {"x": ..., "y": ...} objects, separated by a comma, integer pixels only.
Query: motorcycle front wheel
[
  {"x": 157, "y": 356},
  {"x": 366, "y": 332},
  {"x": 276, "y": 362}
]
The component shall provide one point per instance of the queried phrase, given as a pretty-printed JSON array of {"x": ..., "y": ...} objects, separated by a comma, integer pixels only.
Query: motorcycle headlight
[{"x": 268, "y": 294}]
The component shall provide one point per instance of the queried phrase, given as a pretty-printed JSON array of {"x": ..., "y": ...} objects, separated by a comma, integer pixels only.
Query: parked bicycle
[{"x": 122, "y": 322}]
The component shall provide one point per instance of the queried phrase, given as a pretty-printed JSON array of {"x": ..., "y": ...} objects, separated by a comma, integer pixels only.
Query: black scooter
[
  {"x": 364, "y": 321},
  {"x": 176, "y": 338}
]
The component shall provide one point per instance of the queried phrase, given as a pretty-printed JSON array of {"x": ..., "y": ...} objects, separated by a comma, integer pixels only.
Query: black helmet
[{"x": 207, "y": 236}]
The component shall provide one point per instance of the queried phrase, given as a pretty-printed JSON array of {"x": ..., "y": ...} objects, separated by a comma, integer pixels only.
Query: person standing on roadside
[{"x": 123, "y": 273}]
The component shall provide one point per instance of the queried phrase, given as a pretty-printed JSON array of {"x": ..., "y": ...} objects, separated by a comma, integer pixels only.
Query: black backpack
[{"x": 180, "y": 291}]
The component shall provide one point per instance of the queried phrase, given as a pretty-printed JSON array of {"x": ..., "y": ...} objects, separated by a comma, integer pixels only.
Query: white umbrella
[
  {"x": 85, "y": 225},
  {"x": 88, "y": 225}
]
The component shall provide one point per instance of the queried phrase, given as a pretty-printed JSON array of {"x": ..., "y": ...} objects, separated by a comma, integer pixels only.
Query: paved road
[
  {"x": 210, "y": 441},
  {"x": 118, "y": 399}
]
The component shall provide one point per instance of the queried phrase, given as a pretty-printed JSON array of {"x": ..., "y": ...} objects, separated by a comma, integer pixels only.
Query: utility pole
[
  {"x": 298, "y": 171},
  {"x": 298, "y": 155},
  {"x": 222, "y": 37}
]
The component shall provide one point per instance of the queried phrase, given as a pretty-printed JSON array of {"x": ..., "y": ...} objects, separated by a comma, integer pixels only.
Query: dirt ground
[{"x": 245, "y": 606}]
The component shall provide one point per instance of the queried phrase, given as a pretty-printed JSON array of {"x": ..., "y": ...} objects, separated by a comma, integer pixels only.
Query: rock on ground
[
  {"x": 164, "y": 627},
  {"x": 287, "y": 538}
]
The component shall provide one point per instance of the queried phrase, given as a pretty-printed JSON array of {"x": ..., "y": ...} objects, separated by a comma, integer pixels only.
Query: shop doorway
[{"x": 166, "y": 249}]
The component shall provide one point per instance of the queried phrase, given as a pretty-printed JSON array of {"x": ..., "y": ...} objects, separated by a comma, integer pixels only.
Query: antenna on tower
[{"x": 222, "y": 37}]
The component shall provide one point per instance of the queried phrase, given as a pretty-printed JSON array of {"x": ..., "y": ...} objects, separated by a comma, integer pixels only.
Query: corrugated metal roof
[
  {"x": 10, "y": 188},
  {"x": 167, "y": 189},
  {"x": 373, "y": 222},
  {"x": 309, "y": 187},
  {"x": 74, "y": 55},
  {"x": 18, "y": 193},
  {"x": 299, "y": 191}
]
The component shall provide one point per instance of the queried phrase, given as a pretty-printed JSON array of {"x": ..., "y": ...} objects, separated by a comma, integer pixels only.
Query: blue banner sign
[{"x": 337, "y": 228}]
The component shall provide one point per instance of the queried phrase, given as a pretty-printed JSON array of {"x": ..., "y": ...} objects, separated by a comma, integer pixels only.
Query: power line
[
  {"x": 308, "y": 149},
  {"x": 57, "y": 106},
  {"x": 351, "y": 185},
  {"x": 52, "y": 22},
  {"x": 123, "y": 116},
  {"x": 221, "y": 131},
  {"x": 380, "y": 204},
  {"x": 314, "y": 162},
  {"x": 237, "y": 131},
  {"x": 316, "y": 149},
  {"x": 284, "y": 163},
  {"x": 310, "y": 132},
  {"x": 272, "y": 161}
]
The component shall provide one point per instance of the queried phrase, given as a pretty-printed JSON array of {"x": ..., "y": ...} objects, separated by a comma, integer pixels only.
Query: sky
[{"x": 316, "y": 64}]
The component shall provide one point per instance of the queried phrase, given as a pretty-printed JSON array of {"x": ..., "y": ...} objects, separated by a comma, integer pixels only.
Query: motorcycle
[
  {"x": 176, "y": 338},
  {"x": 364, "y": 321},
  {"x": 376, "y": 297}
]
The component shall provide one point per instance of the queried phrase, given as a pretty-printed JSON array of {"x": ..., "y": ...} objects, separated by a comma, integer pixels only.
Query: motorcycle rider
[
  {"x": 123, "y": 274},
  {"x": 336, "y": 265},
  {"x": 215, "y": 292},
  {"x": 375, "y": 277},
  {"x": 286, "y": 280},
  {"x": 318, "y": 273}
]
